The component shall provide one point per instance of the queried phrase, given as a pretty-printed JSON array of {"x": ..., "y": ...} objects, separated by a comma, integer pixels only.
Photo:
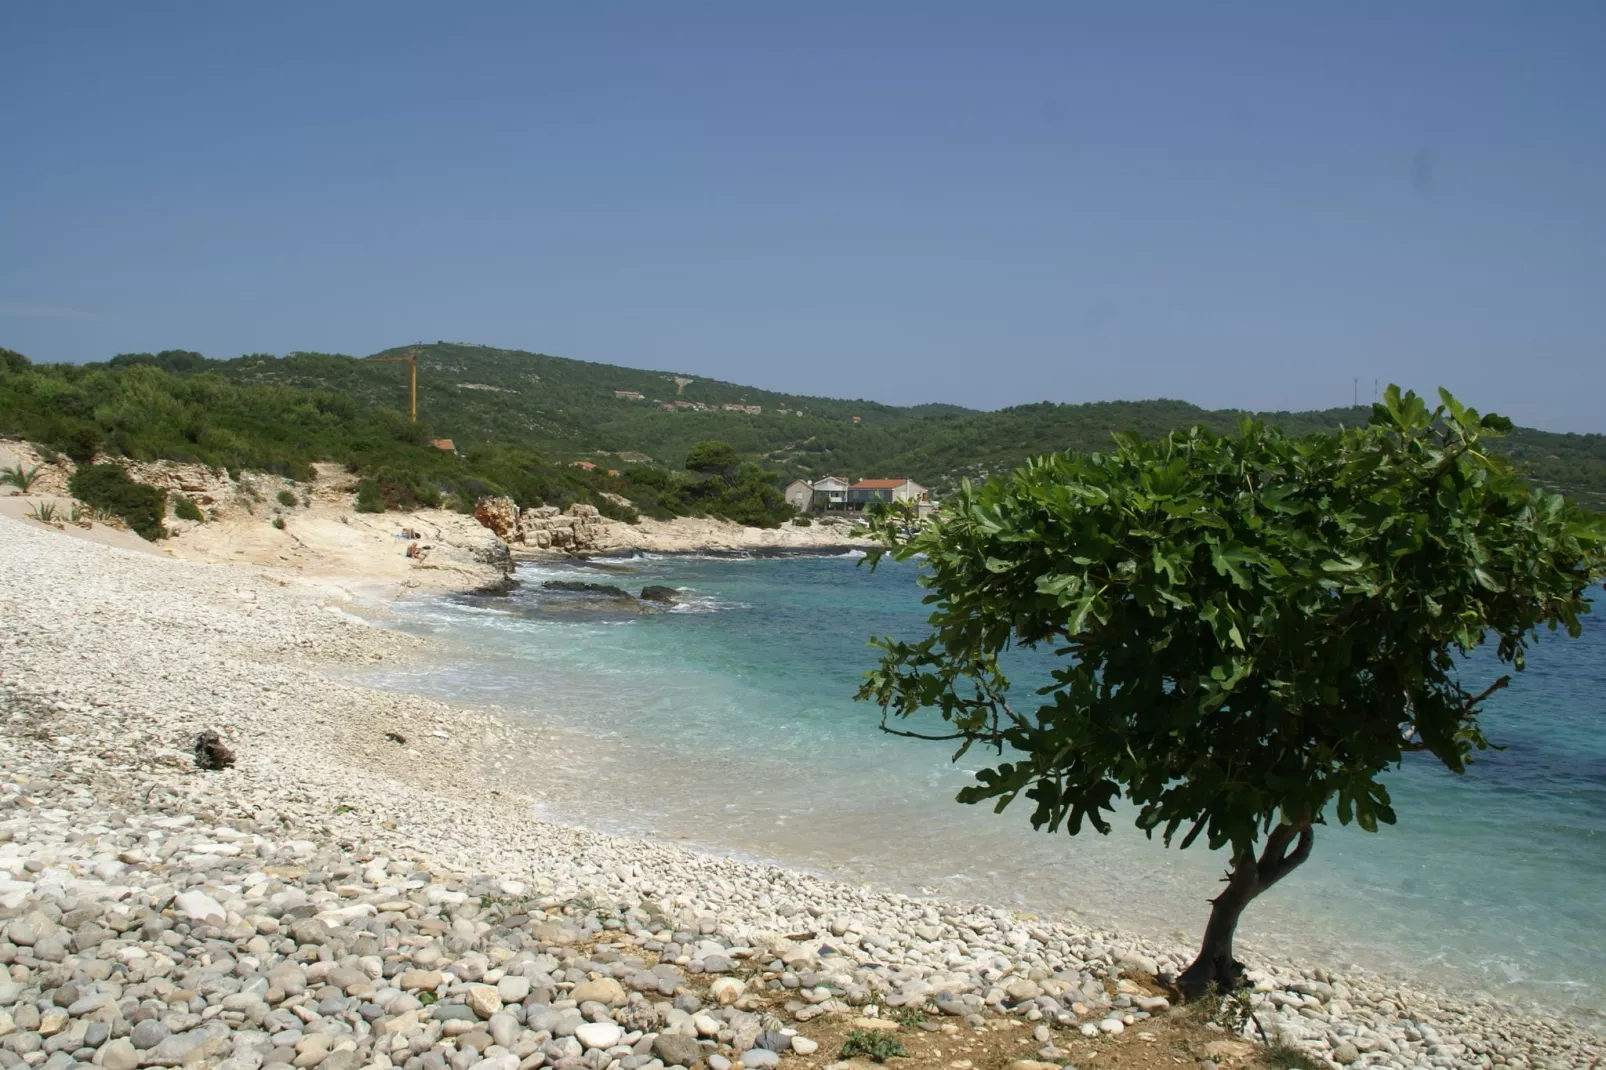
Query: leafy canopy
[
  {"x": 1250, "y": 626},
  {"x": 712, "y": 457}
]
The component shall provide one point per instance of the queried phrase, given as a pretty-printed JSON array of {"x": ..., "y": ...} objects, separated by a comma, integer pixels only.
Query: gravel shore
[{"x": 365, "y": 887}]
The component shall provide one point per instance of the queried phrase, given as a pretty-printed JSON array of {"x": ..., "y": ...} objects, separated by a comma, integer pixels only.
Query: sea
[{"x": 728, "y": 723}]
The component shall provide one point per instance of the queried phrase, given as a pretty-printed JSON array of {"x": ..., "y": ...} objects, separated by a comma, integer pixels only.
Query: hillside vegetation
[
  {"x": 521, "y": 417},
  {"x": 178, "y": 406}
]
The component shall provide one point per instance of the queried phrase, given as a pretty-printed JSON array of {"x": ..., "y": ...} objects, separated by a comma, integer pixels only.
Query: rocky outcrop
[
  {"x": 501, "y": 515},
  {"x": 580, "y": 529},
  {"x": 656, "y": 593}
]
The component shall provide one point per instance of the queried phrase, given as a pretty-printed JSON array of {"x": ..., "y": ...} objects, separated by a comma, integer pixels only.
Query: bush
[
  {"x": 108, "y": 488},
  {"x": 78, "y": 440},
  {"x": 875, "y": 1044},
  {"x": 185, "y": 509},
  {"x": 802, "y": 522},
  {"x": 287, "y": 498},
  {"x": 369, "y": 500},
  {"x": 278, "y": 522},
  {"x": 613, "y": 510}
]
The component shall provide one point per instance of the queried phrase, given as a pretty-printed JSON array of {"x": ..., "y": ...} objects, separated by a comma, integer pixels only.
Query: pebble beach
[{"x": 367, "y": 887}]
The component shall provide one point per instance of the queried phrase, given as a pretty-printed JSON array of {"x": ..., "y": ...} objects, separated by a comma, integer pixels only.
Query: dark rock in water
[
  {"x": 210, "y": 753},
  {"x": 655, "y": 593},
  {"x": 609, "y": 566},
  {"x": 502, "y": 586},
  {"x": 607, "y": 590}
]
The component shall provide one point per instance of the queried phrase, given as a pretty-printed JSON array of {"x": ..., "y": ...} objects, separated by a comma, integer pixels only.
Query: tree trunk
[{"x": 1248, "y": 878}]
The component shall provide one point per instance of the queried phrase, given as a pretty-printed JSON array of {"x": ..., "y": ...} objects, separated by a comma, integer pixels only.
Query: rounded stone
[
  {"x": 677, "y": 1049},
  {"x": 119, "y": 1055},
  {"x": 148, "y": 1034},
  {"x": 603, "y": 990},
  {"x": 504, "y": 1029},
  {"x": 599, "y": 1034}
]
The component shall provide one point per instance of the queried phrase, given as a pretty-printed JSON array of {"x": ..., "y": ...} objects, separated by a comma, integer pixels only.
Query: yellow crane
[{"x": 411, "y": 359}]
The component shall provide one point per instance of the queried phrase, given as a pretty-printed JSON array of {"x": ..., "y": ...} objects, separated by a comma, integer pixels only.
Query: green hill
[
  {"x": 559, "y": 410},
  {"x": 569, "y": 409}
]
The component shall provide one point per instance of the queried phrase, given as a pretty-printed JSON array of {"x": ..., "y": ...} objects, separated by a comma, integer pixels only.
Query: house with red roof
[{"x": 866, "y": 491}]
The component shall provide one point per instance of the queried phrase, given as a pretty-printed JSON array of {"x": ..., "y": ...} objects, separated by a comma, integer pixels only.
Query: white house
[{"x": 819, "y": 496}]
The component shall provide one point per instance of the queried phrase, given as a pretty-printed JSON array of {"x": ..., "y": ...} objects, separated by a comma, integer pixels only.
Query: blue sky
[{"x": 1237, "y": 204}]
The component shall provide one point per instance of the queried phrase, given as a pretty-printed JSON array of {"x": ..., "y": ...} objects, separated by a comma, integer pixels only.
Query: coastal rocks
[
  {"x": 500, "y": 515},
  {"x": 578, "y": 530},
  {"x": 658, "y": 593},
  {"x": 606, "y": 590}
]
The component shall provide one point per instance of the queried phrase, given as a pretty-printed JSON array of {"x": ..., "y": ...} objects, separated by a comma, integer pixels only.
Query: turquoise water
[{"x": 729, "y": 722}]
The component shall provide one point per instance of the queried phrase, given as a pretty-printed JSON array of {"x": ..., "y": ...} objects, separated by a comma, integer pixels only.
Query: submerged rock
[
  {"x": 607, "y": 590},
  {"x": 656, "y": 593}
]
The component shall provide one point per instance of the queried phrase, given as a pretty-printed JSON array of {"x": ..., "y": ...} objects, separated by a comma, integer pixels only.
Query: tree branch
[
  {"x": 1274, "y": 868},
  {"x": 922, "y": 735},
  {"x": 1498, "y": 685}
]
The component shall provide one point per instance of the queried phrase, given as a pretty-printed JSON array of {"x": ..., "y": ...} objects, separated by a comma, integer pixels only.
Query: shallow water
[{"x": 730, "y": 721}]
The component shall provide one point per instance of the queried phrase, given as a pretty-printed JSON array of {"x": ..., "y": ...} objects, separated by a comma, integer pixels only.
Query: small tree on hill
[
  {"x": 712, "y": 458},
  {"x": 1252, "y": 629}
]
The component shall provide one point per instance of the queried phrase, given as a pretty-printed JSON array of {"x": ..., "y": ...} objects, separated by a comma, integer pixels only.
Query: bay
[{"x": 728, "y": 722}]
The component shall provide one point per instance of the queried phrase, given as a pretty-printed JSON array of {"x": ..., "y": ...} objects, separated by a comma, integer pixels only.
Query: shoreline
[{"x": 119, "y": 659}]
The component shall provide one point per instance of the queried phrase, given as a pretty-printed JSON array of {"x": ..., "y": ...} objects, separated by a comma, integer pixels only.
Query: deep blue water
[{"x": 730, "y": 722}]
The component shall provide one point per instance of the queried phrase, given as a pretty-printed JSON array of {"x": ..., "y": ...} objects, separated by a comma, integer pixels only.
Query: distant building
[
  {"x": 800, "y": 495},
  {"x": 628, "y": 395},
  {"x": 667, "y": 405},
  {"x": 820, "y": 496},
  {"x": 754, "y": 410},
  {"x": 587, "y": 465},
  {"x": 866, "y": 491},
  {"x": 443, "y": 444},
  {"x": 858, "y": 419}
]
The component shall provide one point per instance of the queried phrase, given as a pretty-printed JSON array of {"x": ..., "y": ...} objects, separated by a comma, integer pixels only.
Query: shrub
[
  {"x": 278, "y": 522},
  {"x": 614, "y": 510},
  {"x": 185, "y": 509},
  {"x": 19, "y": 477},
  {"x": 875, "y": 1044},
  {"x": 369, "y": 500},
  {"x": 108, "y": 488},
  {"x": 802, "y": 522},
  {"x": 77, "y": 439},
  {"x": 44, "y": 512},
  {"x": 287, "y": 498}
]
